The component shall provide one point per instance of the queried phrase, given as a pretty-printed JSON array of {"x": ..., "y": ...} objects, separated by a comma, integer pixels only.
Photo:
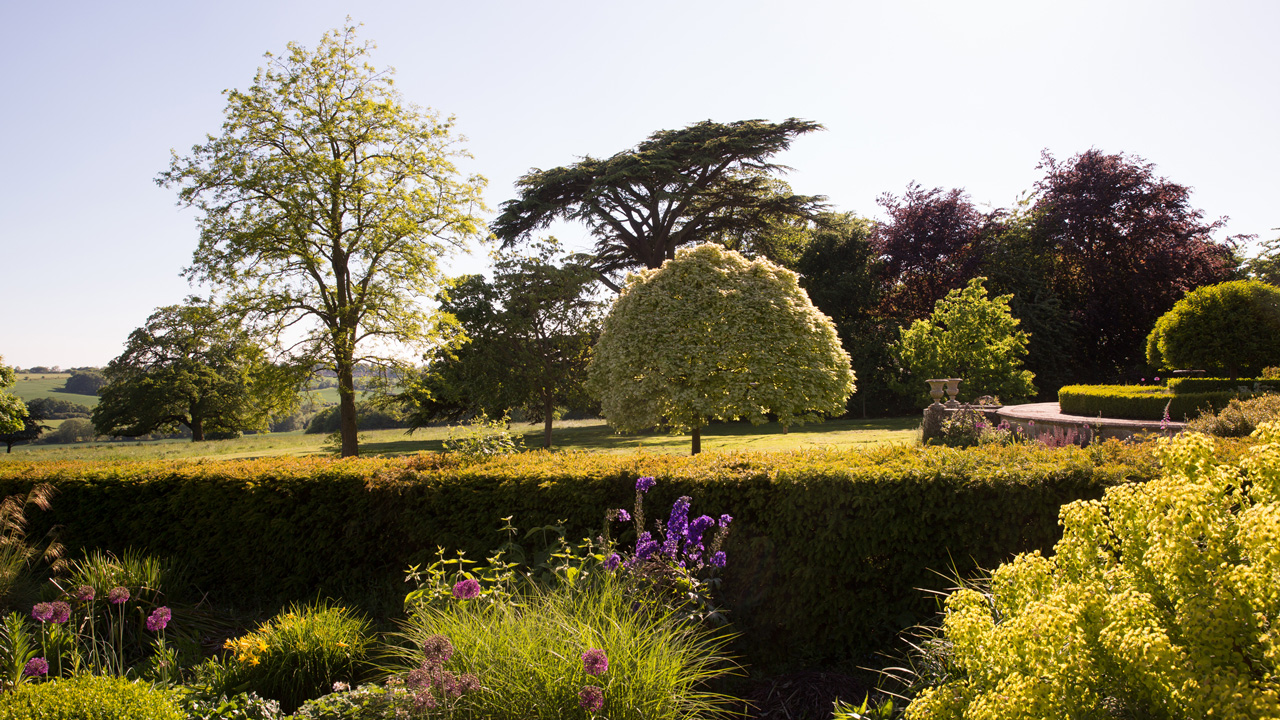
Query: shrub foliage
[
  {"x": 1138, "y": 402},
  {"x": 830, "y": 547},
  {"x": 1160, "y": 601}
]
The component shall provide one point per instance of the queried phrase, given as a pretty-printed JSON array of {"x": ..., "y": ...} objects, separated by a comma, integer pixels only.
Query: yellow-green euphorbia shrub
[{"x": 1162, "y": 601}]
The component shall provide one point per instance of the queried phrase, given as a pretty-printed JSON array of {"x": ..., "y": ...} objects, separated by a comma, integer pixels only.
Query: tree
[
  {"x": 713, "y": 336},
  {"x": 327, "y": 199},
  {"x": 841, "y": 272},
  {"x": 931, "y": 243},
  {"x": 12, "y": 409},
  {"x": 529, "y": 337},
  {"x": 31, "y": 427},
  {"x": 709, "y": 181},
  {"x": 84, "y": 382},
  {"x": 189, "y": 367},
  {"x": 970, "y": 336},
  {"x": 1265, "y": 266},
  {"x": 1232, "y": 328},
  {"x": 1126, "y": 245}
]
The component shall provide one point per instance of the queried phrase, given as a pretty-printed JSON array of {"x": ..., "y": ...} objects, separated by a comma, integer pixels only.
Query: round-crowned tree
[
  {"x": 711, "y": 335},
  {"x": 1231, "y": 328}
]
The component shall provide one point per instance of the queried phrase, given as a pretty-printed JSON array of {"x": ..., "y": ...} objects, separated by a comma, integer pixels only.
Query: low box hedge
[
  {"x": 828, "y": 554},
  {"x": 1138, "y": 402},
  {"x": 1184, "y": 386}
]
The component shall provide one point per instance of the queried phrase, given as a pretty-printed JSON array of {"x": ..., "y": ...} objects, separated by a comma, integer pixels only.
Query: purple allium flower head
[
  {"x": 42, "y": 612},
  {"x": 698, "y": 527},
  {"x": 423, "y": 700},
  {"x": 159, "y": 619},
  {"x": 61, "y": 611},
  {"x": 467, "y": 589},
  {"x": 84, "y": 593},
  {"x": 591, "y": 699},
  {"x": 595, "y": 662},
  {"x": 36, "y": 666},
  {"x": 118, "y": 595},
  {"x": 437, "y": 650},
  {"x": 469, "y": 682},
  {"x": 612, "y": 562},
  {"x": 719, "y": 559},
  {"x": 645, "y": 484},
  {"x": 725, "y": 520}
]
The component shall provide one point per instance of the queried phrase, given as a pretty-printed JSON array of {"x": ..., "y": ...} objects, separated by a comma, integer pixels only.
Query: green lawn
[
  {"x": 590, "y": 435},
  {"x": 32, "y": 386}
]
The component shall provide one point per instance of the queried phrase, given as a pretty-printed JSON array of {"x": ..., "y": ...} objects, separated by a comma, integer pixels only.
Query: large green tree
[
  {"x": 706, "y": 182},
  {"x": 186, "y": 366},
  {"x": 327, "y": 203},
  {"x": 713, "y": 336},
  {"x": 529, "y": 334},
  {"x": 970, "y": 336},
  {"x": 12, "y": 409},
  {"x": 1232, "y": 328}
]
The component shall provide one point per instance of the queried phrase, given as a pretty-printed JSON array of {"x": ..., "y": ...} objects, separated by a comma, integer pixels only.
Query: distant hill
[{"x": 37, "y": 385}]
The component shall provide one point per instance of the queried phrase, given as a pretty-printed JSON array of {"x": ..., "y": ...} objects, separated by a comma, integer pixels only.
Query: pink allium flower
[
  {"x": 466, "y": 589},
  {"x": 159, "y": 619},
  {"x": 118, "y": 595},
  {"x": 36, "y": 666},
  {"x": 591, "y": 699},
  {"x": 85, "y": 593},
  {"x": 595, "y": 662},
  {"x": 61, "y": 611},
  {"x": 42, "y": 612},
  {"x": 437, "y": 650}
]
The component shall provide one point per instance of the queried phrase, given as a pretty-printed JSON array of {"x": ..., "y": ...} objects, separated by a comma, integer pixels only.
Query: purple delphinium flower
[
  {"x": 591, "y": 699},
  {"x": 646, "y": 546},
  {"x": 620, "y": 515},
  {"x": 42, "y": 612},
  {"x": 36, "y": 666},
  {"x": 725, "y": 520},
  {"x": 61, "y": 611},
  {"x": 698, "y": 527},
  {"x": 677, "y": 526},
  {"x": 719, "y": 559},
  {"x": 595, "y": 662},
  {"x": 85, "y": 593},
  {"x": 467, "y": 589},
  {"x": 611, "y": 563},
  {"x": 159, "y": 619},
  {"x": 118, "y": 595},
  {"x": 645, "y": 484},
  {"x": 437, "y": 650}
]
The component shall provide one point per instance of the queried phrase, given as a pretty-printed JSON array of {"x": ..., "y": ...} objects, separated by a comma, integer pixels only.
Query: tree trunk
[
  {"x": 697, "y": 441},
  {"x": 197, "y": 429},
  {"x": 347, "y": 408},
  {"x": 547, "y": 409}
]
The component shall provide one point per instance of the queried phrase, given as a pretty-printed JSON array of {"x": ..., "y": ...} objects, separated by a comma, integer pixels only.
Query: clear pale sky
[{"x": 947, "y": 94}]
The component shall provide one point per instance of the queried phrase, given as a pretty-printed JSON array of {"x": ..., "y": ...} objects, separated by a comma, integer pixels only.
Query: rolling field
[
  {"x": 586, "y": 435},
  {"x": 32, "y": 386}
]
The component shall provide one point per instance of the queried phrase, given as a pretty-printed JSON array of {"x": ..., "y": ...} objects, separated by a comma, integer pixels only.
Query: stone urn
[
  {"x": 953, "y": 391},
  {"x": 936, "y": 388}
]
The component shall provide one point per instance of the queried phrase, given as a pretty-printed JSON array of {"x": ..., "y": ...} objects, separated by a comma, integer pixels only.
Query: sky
[{"x": 944, "y": 94}]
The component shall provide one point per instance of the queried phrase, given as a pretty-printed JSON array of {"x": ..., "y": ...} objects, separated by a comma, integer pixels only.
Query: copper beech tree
[
  {"x": 713, "y": 336},
  {"x": 327, "y": 203}
]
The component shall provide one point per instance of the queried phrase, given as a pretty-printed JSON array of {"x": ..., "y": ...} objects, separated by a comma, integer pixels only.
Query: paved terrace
[{"x": 1048, "y": 414}]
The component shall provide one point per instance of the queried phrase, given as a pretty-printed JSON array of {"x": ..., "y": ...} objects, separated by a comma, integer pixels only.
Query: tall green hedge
[
  {"x": 828, "y": 552},
  {"x": 1138, "y": 402}
]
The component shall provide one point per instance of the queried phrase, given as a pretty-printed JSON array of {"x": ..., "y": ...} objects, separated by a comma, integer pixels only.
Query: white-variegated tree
[{"x": 710, "y": 336}]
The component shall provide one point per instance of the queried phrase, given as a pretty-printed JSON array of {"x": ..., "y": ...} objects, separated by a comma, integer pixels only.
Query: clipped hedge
[
  {"x": 827, "y": 554},
  {"x": 1183, "y": 386},
  {"x": 1138, "y": 402},
  {"x": 88, "y": 697}
]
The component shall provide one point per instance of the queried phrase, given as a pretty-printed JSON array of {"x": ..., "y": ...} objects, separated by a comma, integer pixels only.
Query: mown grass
[
  {"x": 588, "y": 435},
  {"x": 31, "y": 386}
]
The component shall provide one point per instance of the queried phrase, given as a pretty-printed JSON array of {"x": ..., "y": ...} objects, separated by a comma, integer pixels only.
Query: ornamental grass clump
[
  {"x": 572, "y": 651},
  {"x": 1160, "y": 601},
  {"x": 297, "y": 655}
]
